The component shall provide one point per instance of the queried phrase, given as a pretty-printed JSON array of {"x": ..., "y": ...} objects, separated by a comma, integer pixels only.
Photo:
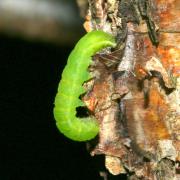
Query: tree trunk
[{"x": 138, "y": 89}]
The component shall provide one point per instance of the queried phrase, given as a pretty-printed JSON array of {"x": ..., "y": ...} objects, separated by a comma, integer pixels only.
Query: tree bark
[{"x": 138, "y": 87}]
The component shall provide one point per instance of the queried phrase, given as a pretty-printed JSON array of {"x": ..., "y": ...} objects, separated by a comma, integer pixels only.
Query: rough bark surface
[{"x": 136, "y": 94}]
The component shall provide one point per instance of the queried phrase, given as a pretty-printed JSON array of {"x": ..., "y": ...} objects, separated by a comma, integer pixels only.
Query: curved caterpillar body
[{"x": 70, "y": 87}]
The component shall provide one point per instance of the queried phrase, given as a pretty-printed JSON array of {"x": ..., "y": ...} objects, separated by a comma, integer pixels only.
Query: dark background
[{"x": 31, "y": 146}]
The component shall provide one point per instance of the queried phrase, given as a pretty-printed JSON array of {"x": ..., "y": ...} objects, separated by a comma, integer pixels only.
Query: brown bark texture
[{"x": 136, "y": 92}]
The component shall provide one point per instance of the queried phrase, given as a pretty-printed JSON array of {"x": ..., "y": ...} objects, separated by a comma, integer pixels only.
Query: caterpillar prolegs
[{"x": 70, "y": 87}]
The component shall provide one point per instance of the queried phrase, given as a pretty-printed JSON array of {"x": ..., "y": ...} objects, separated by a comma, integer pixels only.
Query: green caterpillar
[{"x": 70, "y": 87}]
